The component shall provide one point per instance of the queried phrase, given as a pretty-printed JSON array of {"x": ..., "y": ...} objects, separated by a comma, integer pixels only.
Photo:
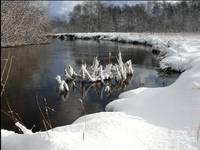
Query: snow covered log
[{"x": 23, "y": 128}]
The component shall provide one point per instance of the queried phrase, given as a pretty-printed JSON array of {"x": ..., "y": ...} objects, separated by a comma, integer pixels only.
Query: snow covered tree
[{"x": 154, "y": 16}]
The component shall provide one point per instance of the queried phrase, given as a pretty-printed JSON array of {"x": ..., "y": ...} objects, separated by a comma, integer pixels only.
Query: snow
[
  {"x": 181, "y": 49},
  {"x": 163, "y": 118},
  {"x": 176, "y": 106}
]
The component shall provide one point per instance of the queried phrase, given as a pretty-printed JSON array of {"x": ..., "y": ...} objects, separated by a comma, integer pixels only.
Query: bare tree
[
  {"x": 154, "y": 16},
  {"x": 22, "y": 23}
]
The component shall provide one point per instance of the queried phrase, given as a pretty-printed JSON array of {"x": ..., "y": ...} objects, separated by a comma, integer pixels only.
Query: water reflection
[{"x": 36, "y": 66}]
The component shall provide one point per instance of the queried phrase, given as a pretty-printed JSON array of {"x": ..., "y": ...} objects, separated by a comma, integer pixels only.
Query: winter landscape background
[{"x": 142, "y": 91}]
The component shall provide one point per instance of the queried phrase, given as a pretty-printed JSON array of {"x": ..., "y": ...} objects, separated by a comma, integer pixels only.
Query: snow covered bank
[
  {"x": 179, "y": 50},
  {"x": 107, "y": 131},
  {"x": 103, "y": 131},
  {"x": 149, "y": 118},
  {"x": 176, "y": 106}
]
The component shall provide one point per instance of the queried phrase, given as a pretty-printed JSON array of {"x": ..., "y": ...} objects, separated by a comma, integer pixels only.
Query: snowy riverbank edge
[{"x": 149, "y": 118}]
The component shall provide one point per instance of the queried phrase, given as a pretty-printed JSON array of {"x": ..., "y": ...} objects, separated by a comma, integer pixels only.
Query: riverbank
[
  {"x": 38, "y": 41},
  {"x": 174, "y": 48},
  {"x": 149, "y": 118}
]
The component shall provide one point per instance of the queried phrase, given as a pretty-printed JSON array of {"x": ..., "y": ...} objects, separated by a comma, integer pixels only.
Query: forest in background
[
  {"x": 26, "y": 22},
  {"x": 145, "y": 17}
]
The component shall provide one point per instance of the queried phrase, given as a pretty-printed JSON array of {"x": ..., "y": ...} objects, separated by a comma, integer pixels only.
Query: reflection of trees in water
[
  {"x": 29, "y": 64},
  {"x": 86, "y": 50}
]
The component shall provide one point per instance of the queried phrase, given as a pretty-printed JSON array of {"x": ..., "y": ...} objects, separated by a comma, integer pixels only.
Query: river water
[{"x": 35, "y": 67}]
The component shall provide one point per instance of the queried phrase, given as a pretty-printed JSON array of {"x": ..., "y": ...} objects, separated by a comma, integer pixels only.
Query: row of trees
[
  {"x": 22, "y": 22},
  {"x": 25, "y": 22},
  {"x": 149, "y": 17}
]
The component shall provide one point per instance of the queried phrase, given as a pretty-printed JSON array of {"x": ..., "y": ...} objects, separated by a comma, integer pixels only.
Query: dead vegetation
[{"x": 22, "y": 23}]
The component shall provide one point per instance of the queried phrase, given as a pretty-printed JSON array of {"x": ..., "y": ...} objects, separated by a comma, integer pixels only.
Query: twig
[
  {"x": 9, "y": 69},
  {"x": 109, "y": 57},
  {"x": 83, "y": 108},
  {"x": 4, "y": 59},
  {"x": 45, "y": 127},
  {"x": 11, "y": 117},
  {"x": 4, "y": 68},
  {"x": 198, "y": 134},
  {"x": 42, "y": 113},
  {"x": 14, "y": 114},
  {"x": 47, "y": 113},
  {"x": 7, "y": 114}
]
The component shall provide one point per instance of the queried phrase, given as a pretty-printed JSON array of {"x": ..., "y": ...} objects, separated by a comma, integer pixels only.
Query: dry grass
[
  {"x": 46, "y": 121},
  {"x": 7, "y": 66},
  {"x": 198, "y": 134}
]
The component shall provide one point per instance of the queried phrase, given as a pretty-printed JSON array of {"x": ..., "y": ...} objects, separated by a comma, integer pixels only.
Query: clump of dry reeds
[{"x": 6, "y": 72}]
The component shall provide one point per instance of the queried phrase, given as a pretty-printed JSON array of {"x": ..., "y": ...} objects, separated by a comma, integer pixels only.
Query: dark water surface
[{"x": 35, "y": 67}]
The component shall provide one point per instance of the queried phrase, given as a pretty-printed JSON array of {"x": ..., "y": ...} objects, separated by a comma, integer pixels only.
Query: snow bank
[
  {"x": 149, "y": 118},
  {"x": 179, "y": 50},
  {"x": 105, "y": 131},
  {"x": 180, "y": 100}
]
